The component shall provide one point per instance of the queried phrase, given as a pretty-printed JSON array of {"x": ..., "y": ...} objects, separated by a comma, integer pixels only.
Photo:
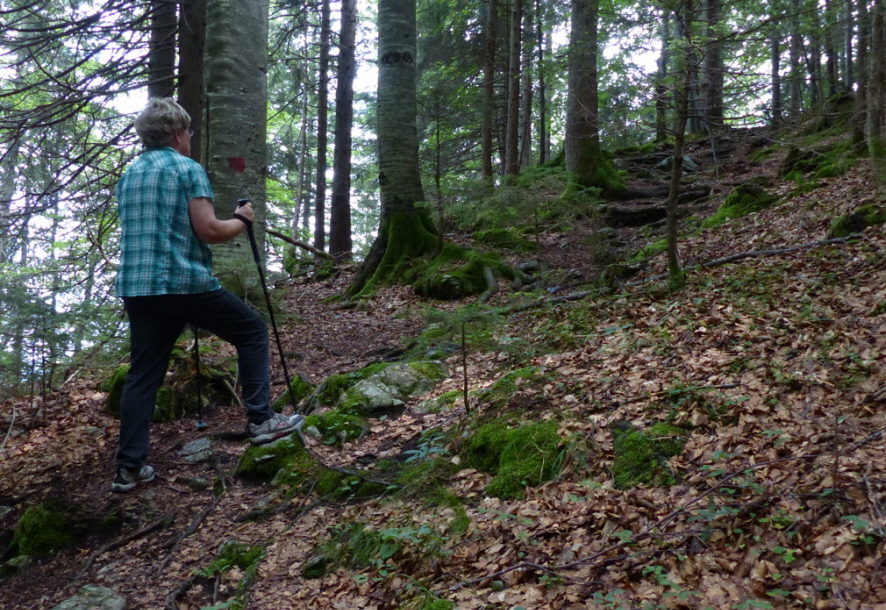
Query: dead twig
[
  {"x": 9, "y": 431},
  {"x": 191, "y": 529},
  {"x": 163, "y": 522}
]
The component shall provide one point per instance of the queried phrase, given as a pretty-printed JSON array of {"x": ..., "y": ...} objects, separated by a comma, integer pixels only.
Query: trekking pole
[
  {"x": 200, "y": 422},
  {"x": 261, "y": 275}
]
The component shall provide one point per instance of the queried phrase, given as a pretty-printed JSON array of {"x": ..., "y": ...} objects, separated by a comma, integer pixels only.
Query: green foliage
[
  {"x": 301, "y": 390},
  {"x": 233, "y": 554},
  {"x": 505, "y": 386},
  {"x": 337, "y": 428},
  {"x": 266, "y": 461},
  {"x": 641, "y": 456},
  {"x": 858, "y": 220},
  {"x": 745, "y": 199},
  {"x": 519, "y": 457},
  {"x": 42, "y": 529}
]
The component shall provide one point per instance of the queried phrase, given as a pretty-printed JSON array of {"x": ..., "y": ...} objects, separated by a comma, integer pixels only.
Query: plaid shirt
[{"x": 159, "y": 252}]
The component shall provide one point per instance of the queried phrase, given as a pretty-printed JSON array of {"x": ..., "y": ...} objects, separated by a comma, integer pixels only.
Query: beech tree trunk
[
  {"x": 582, "y": 131},
  {"x": 161, "y": 59},
  {"x": 322, "y": 127},
  {"x": 236, "y": 97},
  {"x": 406, "y": 231},
  {"x": 340, "y": 206}
]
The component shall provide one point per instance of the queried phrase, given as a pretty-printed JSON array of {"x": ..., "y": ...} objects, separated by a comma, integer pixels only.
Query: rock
[
  {"x": 92, "y": 597},
  {"x": 668, "y": 162},
  {"x": 201, "y": 444},
  {"x": 384, "y": 393},
  {"x": 4, "y": 512},
  {"x": 194, "y": 483},
  {"x": 15, "y": 565}
]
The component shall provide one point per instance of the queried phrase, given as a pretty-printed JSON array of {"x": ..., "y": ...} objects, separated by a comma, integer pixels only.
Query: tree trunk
[
  {"x": 544, "y": 142},
  {"x": 582, "y": 131},
  {"x": 848, "y": 36},
  {"x": 526, "y": 97},
  {"x": 340, "y": 207},
  {"x": 661, "y": 85},
  {"x": 775, "y": 49},
  {"x": 322, "y": 128},
  {"x": 796, "y": 49},
  {"x": 512, "y": 160},
  {"x": 236, "y": 96},
  {"x": 161, "y": 59},
  {"x": 861, "y": 74},
  {"x": 713, "y": 66},
  {"x": 830, "y": 37},
  {"x": 876, "y": 92},
  {"x": 191, "y": 49},
  {"x": 489, "y": 89},
  {"x": 682, "y": 99},
  {"x": 405, "y": 230}
]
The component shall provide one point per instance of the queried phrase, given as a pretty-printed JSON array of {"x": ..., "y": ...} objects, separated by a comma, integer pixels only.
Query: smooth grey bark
[
  {"x": 403, "y": 227},
  {"x": 512, "y": 160},
  {"x": 582, "y": 131},
  {"x": 490, "y": 42},
  {"x": 161, "y": 58},
  {"x": 191, "y": 92},
  {"x": 236, "y": 100},
  {"x": 340, "y": 243}
]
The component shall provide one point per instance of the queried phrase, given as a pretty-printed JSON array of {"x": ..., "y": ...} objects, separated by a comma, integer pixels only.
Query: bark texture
[
  {"x": 161, "y": 59},
  {"x": 236, "y": 91},
  {"x": 340, "y": 206},
  {"x": 582, "y": 130}
]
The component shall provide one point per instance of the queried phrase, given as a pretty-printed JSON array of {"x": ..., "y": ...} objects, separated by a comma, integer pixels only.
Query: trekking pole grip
[{"x": 248, "y": 223}]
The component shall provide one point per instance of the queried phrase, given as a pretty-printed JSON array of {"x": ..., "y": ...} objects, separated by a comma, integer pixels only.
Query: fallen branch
[
  {"x": 300, "y": 244},
  {"x": 160, "y": 523},
  {"x": 9, "y": 431}
]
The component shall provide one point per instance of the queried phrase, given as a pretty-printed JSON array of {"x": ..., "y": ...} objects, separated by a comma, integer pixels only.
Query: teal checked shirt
[{"x": 159, "y": 252}]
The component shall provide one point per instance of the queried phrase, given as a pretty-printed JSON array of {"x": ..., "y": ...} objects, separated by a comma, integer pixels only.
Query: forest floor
[{"x": 774, "y": 362}]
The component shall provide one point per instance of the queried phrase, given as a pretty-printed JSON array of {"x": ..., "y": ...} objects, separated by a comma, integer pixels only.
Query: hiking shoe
[
  {"x": 127, "y": 478},
  {"x": 276, "y": 427}
]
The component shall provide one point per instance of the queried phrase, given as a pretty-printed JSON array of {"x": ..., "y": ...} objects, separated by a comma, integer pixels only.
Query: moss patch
[
  {"x": 43, "y": 528},
  {"x": 337, "y": 428},
  {"x": 744, "y": 200},
  {"x": 233, "y": 554},
  {"x": 518, "y": 457},
  {"x": 331, "y": 390},
  {"x": 858, "y": 220},
  {"x": 642, "y": 456},
  {"x": 264, "y": 462},
  {"x": 503, "y": 238},
  {"x": 454, "y": 273},
  {"x": 504, "y": 388},
  {"x": 113, "y": 385},
  {"x": 301, "y": 390}
]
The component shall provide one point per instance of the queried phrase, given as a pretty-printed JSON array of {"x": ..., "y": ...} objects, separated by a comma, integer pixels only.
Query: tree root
[
  {"x": 491, "y": 285},
  {"x": 160, "y": 523},
  {"x": 191, "y": 529}
]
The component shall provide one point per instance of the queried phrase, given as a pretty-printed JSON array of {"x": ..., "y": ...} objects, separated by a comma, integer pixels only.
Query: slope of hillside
[{"x": 770, "y": 366}]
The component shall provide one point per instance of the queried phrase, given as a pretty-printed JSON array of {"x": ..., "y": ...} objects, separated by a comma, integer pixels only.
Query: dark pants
[{"x": 155, "y": 322}]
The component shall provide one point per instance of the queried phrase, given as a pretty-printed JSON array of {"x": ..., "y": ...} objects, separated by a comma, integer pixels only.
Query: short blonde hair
[{"x": 161, "y": 119}]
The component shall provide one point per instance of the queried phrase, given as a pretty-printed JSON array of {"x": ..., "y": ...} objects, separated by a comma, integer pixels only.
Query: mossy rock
[
  {"x": 454, "y": 273},
  {"x": 44, "y": 528},
  {"x": 858, "y": 220},
  {"x": 337, "y": 428},
  {"x": 503, "y": 238},
  {"x": 745, "y": 199},
  {"x": 331, "y": 390},
  {"x": 641, "y": 457},
  {"x": 505, "y": 386},
  {"x": 301, "y": 390},
  {"x": 265, "y": 462},
  {"x": 518, "y": 457},
  {"x": 435, "y": 405},
  {"x": 177, "y": 397},
  {"x": 384, "y": 392}
]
